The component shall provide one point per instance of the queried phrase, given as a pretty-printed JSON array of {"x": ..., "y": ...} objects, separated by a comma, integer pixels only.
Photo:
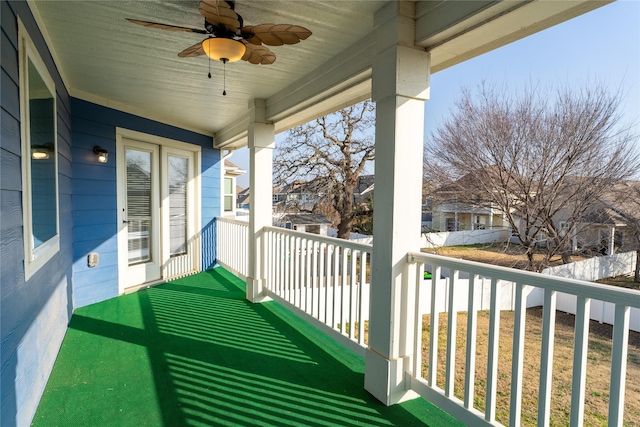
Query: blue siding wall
[
  {"x": 34, "y": 313},
  {"x": 94, "y": 194}
]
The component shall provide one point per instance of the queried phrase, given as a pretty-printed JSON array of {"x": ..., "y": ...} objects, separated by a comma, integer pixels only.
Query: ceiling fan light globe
[{"x": 220, "y": 48}]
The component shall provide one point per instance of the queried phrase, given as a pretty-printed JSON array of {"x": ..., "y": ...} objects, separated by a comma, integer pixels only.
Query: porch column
[
  {"x": 491, "y": 217},
  {"x": 400, "y": 87},
  {"x": 261, "y": 144},
  {"x": 612, "y": 240}
]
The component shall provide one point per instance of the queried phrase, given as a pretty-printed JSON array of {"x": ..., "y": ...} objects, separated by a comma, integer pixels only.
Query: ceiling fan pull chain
[
  {"x": 209, "y": 67},
  {"x": 224, "y": 77}
]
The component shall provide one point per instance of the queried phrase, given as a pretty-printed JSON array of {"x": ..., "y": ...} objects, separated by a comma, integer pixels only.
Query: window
[
  {"x": 451, "y": 224},
  {"x": 228, "y": 194},
  {"x": 39, "y": 158}
]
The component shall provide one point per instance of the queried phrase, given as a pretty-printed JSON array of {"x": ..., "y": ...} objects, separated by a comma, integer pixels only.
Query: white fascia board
[
  {"x": 496, "y": 26},
  {"x": 339, "y": 82},
  {"x": 349, "y": 67}
]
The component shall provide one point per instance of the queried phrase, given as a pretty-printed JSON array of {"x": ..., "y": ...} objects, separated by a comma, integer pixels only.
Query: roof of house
[
  {"x": 233, "y": 169},
  {"x": 306, "y": 219}
]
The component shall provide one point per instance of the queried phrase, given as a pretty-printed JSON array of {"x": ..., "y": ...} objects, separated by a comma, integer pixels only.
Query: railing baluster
[
  {"x": 336, "y": 281},
  {"x": 618, "y": 365},
  {"x": 517, "y": 355},
  {"x": 472, "y": 322},
  {"x": 451, "y": 337},
  {"x": 322, "y": 295},
  {"x": 580, "y": 360},
  {"x": 352, "y": 298},
  {"x": 417, "y": 321},
  {"x": 307, "y": 277},
  {"x": 281, "y": 258},
  {"x": 328, "y": 315},
  {"x": 433, "y": 332},
  {"x": 289, "y": 281},
  {"x": 492, "y": 360},
  {"x": 297, "y": 271},
  {"x": 315, "y": 248},
  {"x": 344, "y": 303},
  {"x": 546, "y": 357},
  {"x": 361, "y": 285}
]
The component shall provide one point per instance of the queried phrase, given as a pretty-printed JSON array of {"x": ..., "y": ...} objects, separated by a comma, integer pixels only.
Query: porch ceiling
[{"x": 107, "y": 60}]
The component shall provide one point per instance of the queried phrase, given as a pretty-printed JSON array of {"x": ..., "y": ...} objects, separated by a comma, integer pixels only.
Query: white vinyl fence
[
  {"x": 596, "y": 268},
  {"x": 465, "y": 237}
]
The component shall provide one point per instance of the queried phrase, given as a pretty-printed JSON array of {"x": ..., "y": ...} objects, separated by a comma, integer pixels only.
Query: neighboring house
[
  {"x": 231, "y": 172},
  {"x": 363, "y": 192},
  {"x": 461, "y": 206},
  {"x": 243, "y": 200},
  {"x": 296, "y": 197},
  {"x": 613, "y": 224},
  {"x": 606, "y": 228}
]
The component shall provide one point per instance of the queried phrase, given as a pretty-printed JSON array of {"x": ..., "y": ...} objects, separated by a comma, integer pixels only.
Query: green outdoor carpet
[{"x": 195, "y": 352}]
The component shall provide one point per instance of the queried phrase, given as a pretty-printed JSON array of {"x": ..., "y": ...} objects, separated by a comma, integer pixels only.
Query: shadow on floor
[{"x": 195, "y": 352}]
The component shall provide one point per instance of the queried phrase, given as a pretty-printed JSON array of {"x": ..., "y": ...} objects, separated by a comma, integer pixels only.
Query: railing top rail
[
  {"x": 365, "y": 247},
  {"x": 616, "y": 295},
  {"x": 232, "y": 221}
]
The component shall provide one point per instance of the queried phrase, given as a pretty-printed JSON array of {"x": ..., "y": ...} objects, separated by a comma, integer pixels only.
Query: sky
[{"x": 601, "y": 46}]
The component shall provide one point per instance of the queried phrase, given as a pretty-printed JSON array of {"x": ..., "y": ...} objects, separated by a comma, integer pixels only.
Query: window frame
[
  {"x": 225, "y": 194},
  {"x": 35, "y": 258}
]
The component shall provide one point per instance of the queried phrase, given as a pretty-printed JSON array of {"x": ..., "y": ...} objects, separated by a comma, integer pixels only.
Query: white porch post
[
  {"x": 261, "y": 144},
  {"x": 400, "y": 87},
  {"x": 612, "y": 240}
]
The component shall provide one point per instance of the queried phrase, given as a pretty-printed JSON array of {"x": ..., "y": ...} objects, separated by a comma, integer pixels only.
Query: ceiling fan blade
[
  {"x": 166, "y": 26},
  {"x": 276, "y": 34},
  {"x": 220, "y": 12},
  {"x": 258, "y": 54},
  {"x": 191, "y": 51}
]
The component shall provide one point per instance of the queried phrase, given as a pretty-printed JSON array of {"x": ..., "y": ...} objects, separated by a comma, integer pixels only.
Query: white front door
[
  {"x": 138, "y": 213},
  {"x": 180, "y": 245},
  {"x": 158, "y": 207}
]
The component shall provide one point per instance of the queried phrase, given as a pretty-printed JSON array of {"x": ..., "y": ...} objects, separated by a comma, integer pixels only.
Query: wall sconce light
[
  {"x": 41, "y": 152},
  {"x": 103, "y": 155}
]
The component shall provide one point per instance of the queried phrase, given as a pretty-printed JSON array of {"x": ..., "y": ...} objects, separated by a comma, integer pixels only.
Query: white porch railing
[
  {"x": 325, "y": 279},
  {"x": 425, "y": 383},
  {"x": 232, "y": 245}
]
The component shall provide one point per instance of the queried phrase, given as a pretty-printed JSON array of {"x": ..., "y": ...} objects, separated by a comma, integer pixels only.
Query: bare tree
[
  {"x": 536, "y": 157},
  {"x": 328, "y": 155}
]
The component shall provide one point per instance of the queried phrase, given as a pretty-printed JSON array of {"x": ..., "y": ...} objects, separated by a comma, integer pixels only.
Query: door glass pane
[
  {"x": 178, "y": 177},
  {"x": 139, "y": 205}
]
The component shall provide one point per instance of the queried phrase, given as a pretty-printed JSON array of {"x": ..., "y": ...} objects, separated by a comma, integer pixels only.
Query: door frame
[{"x": 123, "y": 134}]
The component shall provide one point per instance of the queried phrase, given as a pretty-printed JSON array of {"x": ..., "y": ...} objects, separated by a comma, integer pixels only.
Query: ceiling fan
[{"x": 229, "y": 39}]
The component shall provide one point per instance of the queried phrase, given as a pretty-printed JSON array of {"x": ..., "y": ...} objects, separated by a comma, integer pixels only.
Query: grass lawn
[
  {"x": 504, "y": 254},
  {"x": 598, "y": 367}
]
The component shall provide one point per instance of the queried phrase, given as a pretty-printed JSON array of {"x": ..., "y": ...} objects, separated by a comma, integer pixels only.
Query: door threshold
[{"x": 146, "y": 285}]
